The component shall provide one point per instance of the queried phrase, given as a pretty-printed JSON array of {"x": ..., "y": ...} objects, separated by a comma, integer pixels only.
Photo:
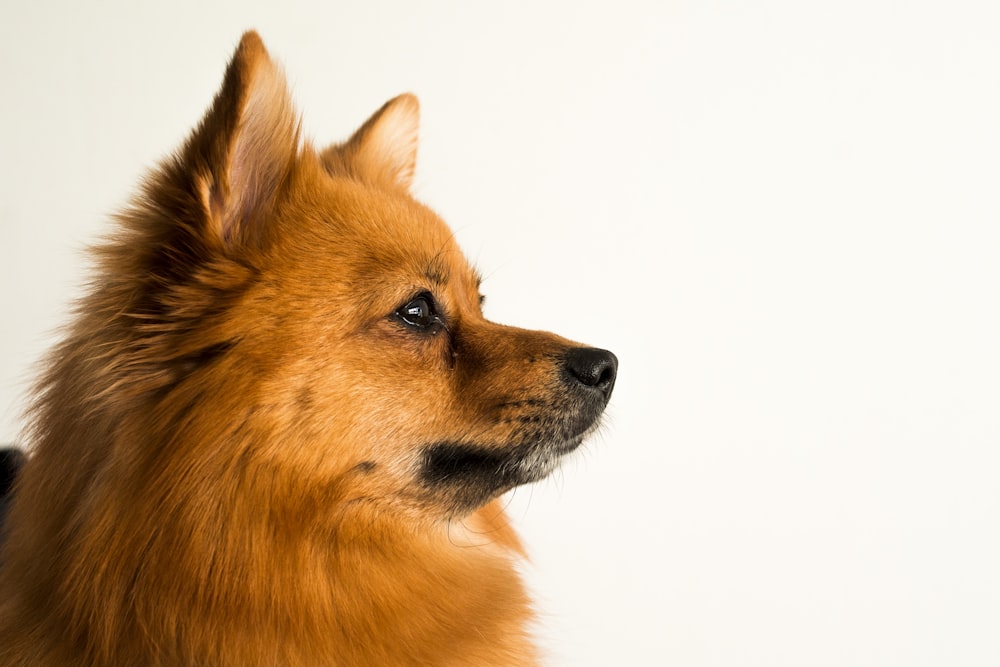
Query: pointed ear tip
[
  {"x": 251, "y": 44},
  {"x": 406, "y": 102}
]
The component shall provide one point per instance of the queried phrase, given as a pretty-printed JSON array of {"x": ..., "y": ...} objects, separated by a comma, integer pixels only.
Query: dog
[{"x": 278, "y": 427}]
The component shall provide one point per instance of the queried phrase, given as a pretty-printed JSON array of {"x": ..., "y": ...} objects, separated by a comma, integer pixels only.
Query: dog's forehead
[
  {"x": 425, "y": 255},
  {"x": 441, "y": 267},
  {"x": 374, "y": 236},
  {"x": 411, "y": 238}
]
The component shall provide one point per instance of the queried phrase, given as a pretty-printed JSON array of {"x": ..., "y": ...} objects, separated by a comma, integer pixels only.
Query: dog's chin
[
  {"x": 542, "y": 460},
  {"x": 469, "y": 475}
]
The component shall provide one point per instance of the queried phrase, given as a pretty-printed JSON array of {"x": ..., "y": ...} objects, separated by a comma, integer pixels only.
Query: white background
[{"x": 782, "y": 216}]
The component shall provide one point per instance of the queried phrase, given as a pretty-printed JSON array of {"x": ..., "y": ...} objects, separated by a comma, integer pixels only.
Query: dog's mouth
[{"x": 471, "y": 474}]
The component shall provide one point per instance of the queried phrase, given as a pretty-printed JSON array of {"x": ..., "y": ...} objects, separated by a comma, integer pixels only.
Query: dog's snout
[{"x": 593, "y": 368}]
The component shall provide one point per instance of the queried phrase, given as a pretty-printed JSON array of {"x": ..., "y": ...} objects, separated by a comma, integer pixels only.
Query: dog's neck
[{"x": 244, "y": 586}]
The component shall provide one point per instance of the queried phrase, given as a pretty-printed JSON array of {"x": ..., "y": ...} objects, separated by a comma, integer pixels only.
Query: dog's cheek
[{"x": 381, "y": 390}]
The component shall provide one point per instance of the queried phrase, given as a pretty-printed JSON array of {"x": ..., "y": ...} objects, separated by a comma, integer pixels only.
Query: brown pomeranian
[{"x": 277, "y": 429}]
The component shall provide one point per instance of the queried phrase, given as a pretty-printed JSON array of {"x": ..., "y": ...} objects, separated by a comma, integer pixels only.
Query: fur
[{"x": 276, "y": 430}]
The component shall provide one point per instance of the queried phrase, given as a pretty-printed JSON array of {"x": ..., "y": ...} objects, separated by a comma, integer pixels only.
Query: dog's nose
[{"x": 593, "y": 368}]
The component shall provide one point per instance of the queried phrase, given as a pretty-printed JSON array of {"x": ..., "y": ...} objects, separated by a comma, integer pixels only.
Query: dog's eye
[{"x": 420, "y": 313}]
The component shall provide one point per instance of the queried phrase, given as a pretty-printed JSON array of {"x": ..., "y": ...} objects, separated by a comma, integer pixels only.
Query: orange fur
[{"x": 244, "y": 454}]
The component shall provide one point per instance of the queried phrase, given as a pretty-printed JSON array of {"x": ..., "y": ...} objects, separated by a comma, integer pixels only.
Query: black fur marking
[
  {"x": 192, "y": 362},
  {"x": 473, "y": 474}
]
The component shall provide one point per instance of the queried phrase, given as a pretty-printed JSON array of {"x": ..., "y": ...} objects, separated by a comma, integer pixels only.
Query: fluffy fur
[{"x": 277, "y": 428}]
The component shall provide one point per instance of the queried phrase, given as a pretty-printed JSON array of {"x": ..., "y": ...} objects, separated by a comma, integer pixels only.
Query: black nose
[{"x": 593, "y": 368}]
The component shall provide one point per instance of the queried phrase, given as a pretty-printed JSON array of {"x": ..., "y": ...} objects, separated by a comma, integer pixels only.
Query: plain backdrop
[{"x": 782, "y": 216}]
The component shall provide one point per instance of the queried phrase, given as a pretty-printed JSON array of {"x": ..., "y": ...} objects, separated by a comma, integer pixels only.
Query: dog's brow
[{"x": 437, "y": 272}]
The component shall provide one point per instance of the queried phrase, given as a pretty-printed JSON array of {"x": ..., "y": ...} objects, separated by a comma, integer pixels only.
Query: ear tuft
[
  {"x": 246, "y": 145},
  {"x": 384, "y": 150}
]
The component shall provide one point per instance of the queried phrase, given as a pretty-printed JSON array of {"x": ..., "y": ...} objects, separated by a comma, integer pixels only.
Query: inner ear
[
  {"x": 383, "y": 151},
  {"x": 263, "y": 151},
  {"x": 245, "y": 147}
]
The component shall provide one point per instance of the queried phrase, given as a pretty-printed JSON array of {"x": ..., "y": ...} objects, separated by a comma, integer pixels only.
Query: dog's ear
[
  {"x": 383, "y": 151},
  {"x": 239, "y": 157}
]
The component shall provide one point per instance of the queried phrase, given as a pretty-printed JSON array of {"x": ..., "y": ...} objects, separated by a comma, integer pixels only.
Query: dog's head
[{"x": 297, "y": 310}]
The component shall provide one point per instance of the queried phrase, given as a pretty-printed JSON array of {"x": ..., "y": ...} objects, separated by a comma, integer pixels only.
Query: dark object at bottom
[{"x": 11, "y": 461}]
